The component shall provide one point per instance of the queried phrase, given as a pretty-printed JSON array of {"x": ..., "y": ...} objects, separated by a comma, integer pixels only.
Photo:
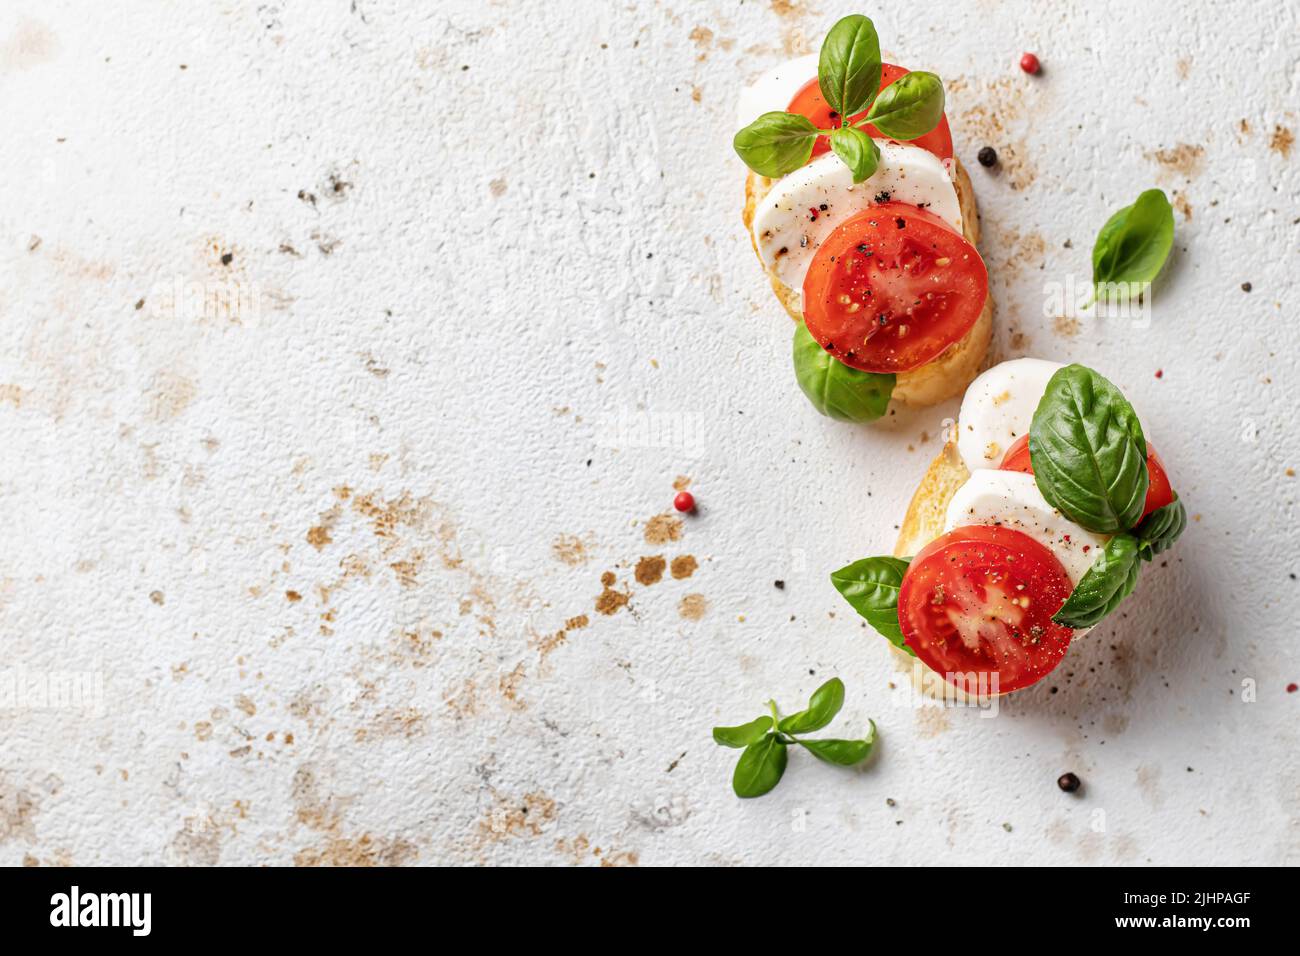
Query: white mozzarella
[
  {"x": 998, "y": 407},
  {"x": 773, "y": 91},
  {"x": 786, "y": 232},
  {"x": 1012, "y": 499}
]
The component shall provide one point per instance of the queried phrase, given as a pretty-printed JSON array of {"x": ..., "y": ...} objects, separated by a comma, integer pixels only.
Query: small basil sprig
[
  {"x": 871, "y": 587},
  {"x": 776, "y": 143},
  {"x": 848, "y": 73},
  {"x": 1114, "y": 574},
  {"x": 1111, "y": 579},
  {"x": 1134, "y": 243},
  {"x": 836, "y": 390},
  {"x": 1089, "y": 461},
  {"x": 848, "y": 67},
  {"x": 856, "y": 150},
  {"x": 763, "y": 762},
  {"x": 1088, "y": 451},
  {"x": 1161, "y": 528},
  {"x": 909, "y": 107}
]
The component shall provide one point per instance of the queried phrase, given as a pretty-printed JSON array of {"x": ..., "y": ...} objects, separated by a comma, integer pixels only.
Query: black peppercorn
[
  {"x": 987, "y": 156},
  {"x": 1245, "y": 287},
  {"x": 1068, "y": 782}
]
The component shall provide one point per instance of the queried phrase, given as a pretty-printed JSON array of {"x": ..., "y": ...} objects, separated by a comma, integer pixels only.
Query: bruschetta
[{"x": 866, "y": 227}]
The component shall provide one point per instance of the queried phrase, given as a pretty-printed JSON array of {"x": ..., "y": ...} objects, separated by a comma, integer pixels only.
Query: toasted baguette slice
[{"x": 949, "y": 374}]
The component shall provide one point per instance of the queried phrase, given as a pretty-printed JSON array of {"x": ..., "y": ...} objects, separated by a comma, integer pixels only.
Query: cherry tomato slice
[
  {"x": 976, "y": 605},
  {"x": 810, "y": 103},
  {"x": 1159, "y": 491},
  {"x": 891, "y": 287}
]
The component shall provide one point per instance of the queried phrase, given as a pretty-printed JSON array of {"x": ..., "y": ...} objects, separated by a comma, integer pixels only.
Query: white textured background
[{"x": 331, "y": 550}]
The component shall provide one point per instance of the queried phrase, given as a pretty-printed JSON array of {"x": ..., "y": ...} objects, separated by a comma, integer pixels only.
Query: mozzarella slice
[
  {"x": 998, "y": 408},
  {"x": 1012, "y": 499},
  {"x": 802, "y": 208},
  {"x": 773, "y": 91}
]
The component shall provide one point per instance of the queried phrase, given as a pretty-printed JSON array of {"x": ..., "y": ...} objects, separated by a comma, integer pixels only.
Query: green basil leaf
[
  {"x": 1110, "y": 580},
  {"x": 1088, "y": 451},
  {"x": 760, "y": 767},
  {"x": 744, "y": 735},
  {"x": 1135, "y": 242},
  {"x": 909, "y": 107},
  {"x": 842, "y": 752},
  {"x": 836, "y": 390},
  {"x": 776, "y": 143},
  {"x": 1161, "y": 528},
  {"x": 857, "y": 150},
  {"x": 848, "y": 69},
  {"x": 824, "y": 704},
  {"x": 871, "y": 586}
]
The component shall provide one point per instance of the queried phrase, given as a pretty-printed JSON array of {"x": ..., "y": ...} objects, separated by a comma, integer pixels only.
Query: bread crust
[{"x": 949, "y": 374}]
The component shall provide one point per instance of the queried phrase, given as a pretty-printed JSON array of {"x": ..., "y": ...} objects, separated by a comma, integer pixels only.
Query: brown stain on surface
[
  {"x": 931, "y": 722},
  {"x": 18, "y": 808},
  {"x": 571, "y": 549},
  {"x": 168, "y": 395},
  {"x": 650, "y": 570},
  {"x": 663, "y": 529},
  {"x": 609, "y": 601},
  {"x": 1281, "y": 141},
  {"x": 528, "y": 817},
  {"x": 683, "y": 566},
  {"x": 549, "y": 642},
  {"x": 31, "y": 44},
  {"x": 318, "y": 810},
  {"x": 989, "y": 113},
  {"x": 1066, "y": 326},
  {"x": 394, "y": 722},
  {"x": 693, "y": 606},
  {"x": 365, "y": 850},
  {"x": 1183, "y": 159}
]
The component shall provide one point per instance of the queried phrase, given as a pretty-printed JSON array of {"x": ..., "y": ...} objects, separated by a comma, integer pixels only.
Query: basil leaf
[
  {"x": 1161, "y": 528},
  {"x": 1135, "y": 242},
  {"x": 836, "y": 390},
  {"x": 760, "y": 767},
  {"x": 1110, "y": 580},
  {"x": 776, "y": 143},
  {"x": 1088, "y": 452},
  {"x": 744, "y": 735},
  {"x": 857, "y": 150},
  {"x": 848, "y": 69},
  {"x": 842, "y": 752},
  {"x": 824, "y": 704},
  {"x": 909, "y": 107},
  {"x": 871, "y": 586}
]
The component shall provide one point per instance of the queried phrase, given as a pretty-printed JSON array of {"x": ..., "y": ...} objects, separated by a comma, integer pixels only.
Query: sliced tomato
[
  {"x": 809, "y": 102},
  {"x": 891, "y": 287},
  {"x": 976, "y": 605},
  {"x": 1159, "y": 491}
]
